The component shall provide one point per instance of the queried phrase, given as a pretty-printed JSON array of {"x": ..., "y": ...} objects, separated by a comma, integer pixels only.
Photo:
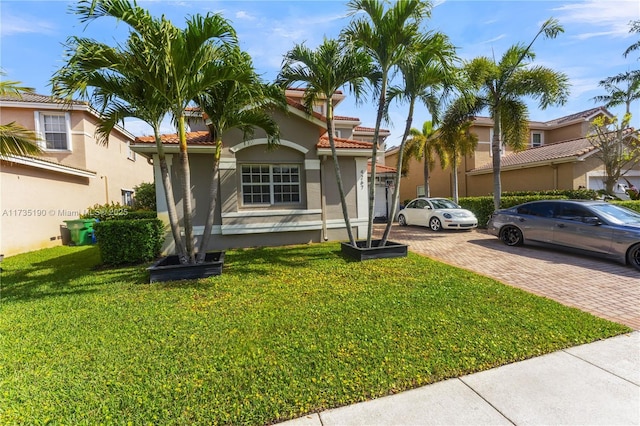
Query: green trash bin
[{"x": 81, "y": 231}]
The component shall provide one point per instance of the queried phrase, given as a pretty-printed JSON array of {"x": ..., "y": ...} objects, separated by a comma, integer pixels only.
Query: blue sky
[{"x": 596, "y": 34}]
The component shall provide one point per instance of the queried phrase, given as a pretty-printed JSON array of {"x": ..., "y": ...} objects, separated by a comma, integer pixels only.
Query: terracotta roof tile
[
  {"x": 381, "y": 168},
  {"x": 342, "y": 143},
  {"x": 299, "y": 106},
  {"x": 34, "y": 97},
  {"x": 193, "y": 138},
  {"x": 345, "y": 118},
  {"x": 369, "y": 129},
  {"x": 556, "y": 151}
]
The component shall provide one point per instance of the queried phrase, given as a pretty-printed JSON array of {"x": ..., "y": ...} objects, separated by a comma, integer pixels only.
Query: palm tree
[
  {"x": 178, "y": 64},
  {"x": 501, "y": 88},
  {"x": 618, "y": 95},
  {"x": 457, "y": 142},
  {"x": 15, "y": 139},
  {"x": 323, "y": 71},
  {"x": 239, "y": 105},
  {"x": 117, "y": 96},
  {"x": 387, "y": 37},
  {"x": 423, "y": 146},
  {"x": 428, "y": 75}
]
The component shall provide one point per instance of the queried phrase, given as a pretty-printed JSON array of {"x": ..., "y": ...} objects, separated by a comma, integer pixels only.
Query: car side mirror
[
  {"x": 427, "y": 207},
  {"x": 592, "y": 221}
]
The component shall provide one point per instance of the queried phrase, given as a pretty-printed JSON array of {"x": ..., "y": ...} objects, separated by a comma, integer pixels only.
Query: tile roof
[
  {"x": 582, "y": 115},
  {"x": 546, "y": 153},
  {"x": 381, "y": 168},
  {"x": 299, "y": 106},
  {"x": 34, "y": 97},
  {"x": 345, "y": 118},
  {"x": 342, "y": 143},
  {"x": 369, "y": 129},
  {"x": 193, "y": 138}
]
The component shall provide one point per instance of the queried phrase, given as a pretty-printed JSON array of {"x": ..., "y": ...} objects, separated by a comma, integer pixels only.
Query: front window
[
  {"x": 536, "y": 139},
  {"x": 127, "y": 197},
  {"x": 270, "y": 184},
  {"x": 54, "y": 130}
]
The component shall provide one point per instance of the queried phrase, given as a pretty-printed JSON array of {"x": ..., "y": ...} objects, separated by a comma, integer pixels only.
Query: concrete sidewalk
[{"x": 593, "y": 384}]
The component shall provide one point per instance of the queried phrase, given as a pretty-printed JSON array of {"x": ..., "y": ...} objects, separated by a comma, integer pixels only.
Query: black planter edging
[
  {"x": 169, "y": 268},
  {"x": 361, "y": 252}
]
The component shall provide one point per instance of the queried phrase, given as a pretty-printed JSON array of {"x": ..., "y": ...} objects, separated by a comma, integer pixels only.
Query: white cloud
[
  {"x": 612, "y": 17},
  {"x": 14, "y": 24},
  {"x": 241, "y": 14}
]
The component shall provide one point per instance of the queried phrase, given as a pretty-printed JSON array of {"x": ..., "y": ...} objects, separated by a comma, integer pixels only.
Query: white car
[{"x": 437, "y": 214}]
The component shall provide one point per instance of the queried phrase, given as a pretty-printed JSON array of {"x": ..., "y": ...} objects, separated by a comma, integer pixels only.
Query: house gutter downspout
[{"x": 323, "y": 200}]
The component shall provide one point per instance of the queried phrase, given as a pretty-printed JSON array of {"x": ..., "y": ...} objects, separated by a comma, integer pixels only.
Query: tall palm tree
[
  {"x": 179, "y": 64},
  {"x": 15, "y": 139},
  {"x": 323, "y": 71},
  {"x": 457, "y": 141},
  {"x": 500, "y": 87},
  {"x": 117, "y": 96},
  {"x": 622, "y": 89},
  {"x": 428, "y": 75},
  {"x": 242, "y": 105},
  {"x": 425, "y": 147},
  {"x": 387, "y": 35}
]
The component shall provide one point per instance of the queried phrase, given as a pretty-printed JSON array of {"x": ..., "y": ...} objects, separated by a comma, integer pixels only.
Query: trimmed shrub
[
  {"x": 144, "y": 197},
  {"x": 116, "y": 211},
  {"x": 102, "y": 212},
  {"x": 633, "y": 204},
  {"x": 129, "y": 241}
]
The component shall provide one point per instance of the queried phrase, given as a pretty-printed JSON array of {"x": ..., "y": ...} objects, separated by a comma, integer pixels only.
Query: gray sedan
[{"x": 594, "y": 227}]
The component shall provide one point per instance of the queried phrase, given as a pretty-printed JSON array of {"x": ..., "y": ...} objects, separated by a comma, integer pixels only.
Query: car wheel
[
  {"x": 633, "y": 256},
  {"x": 511, "y": 236},
  {"x": 434, "y": 224},
  {"x": 402, "y": 221}
]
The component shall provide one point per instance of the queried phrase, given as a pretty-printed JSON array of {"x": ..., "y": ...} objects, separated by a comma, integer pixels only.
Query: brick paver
[{"x": 604, "y": 288}]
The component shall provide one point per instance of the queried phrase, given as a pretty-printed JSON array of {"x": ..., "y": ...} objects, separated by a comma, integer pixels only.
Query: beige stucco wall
[{"x": 35, "y": 202}]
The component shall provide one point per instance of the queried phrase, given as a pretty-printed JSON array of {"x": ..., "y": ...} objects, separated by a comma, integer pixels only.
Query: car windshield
[
  {"x": 617, "y": 214},
  {"x": 443, "y": 203}
]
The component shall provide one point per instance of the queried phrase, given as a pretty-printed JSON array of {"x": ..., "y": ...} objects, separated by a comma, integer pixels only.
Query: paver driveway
[{"x": 603, "y": 288}]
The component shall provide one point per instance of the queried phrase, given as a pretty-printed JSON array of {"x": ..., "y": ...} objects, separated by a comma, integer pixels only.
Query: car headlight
[{"x": 447, "y": 215}]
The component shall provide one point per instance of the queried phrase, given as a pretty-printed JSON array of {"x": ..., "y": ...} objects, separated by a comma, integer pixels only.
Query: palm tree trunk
[
  {"x": 213, "y": 199},
  {"x": 454, "y": 169},
  {"x": 374, "y": 154},
  {"x": 174, "y": 223},
  {"x": 336, "y": 166},
  {"x": 396, "y": 191},
  {"x": 496, "y": 151},
  {"x": 187, "y": 210},
  {"x": 425, "y": 171}
]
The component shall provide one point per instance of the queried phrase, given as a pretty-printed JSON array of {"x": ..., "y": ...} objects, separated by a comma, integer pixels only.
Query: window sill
[{"x": 248, "y": 212}]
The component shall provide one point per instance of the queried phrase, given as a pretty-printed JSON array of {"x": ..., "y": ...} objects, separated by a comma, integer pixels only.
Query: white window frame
[
  {"x": 420, "y": 191},
  {"x": 271, "y": 183},
  {"x": 131, "y": 155},
  {"x": 127, "y": 196},
  {"x": 541, "y": 139},
  {"x": 40, "y": 129}
]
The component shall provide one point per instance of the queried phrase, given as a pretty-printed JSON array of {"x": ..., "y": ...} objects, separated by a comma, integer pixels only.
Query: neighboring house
[
  {"x": 559, "y": 156},
  {"x": 267, "y": 197},
  {"x": 74, "y": 172}
]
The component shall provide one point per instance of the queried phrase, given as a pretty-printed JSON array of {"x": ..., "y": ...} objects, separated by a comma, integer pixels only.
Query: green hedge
[
  {"x": 129, "y": 241},
  {"x": 116, "y": 211},
  {"x": 633, "y": 204}
]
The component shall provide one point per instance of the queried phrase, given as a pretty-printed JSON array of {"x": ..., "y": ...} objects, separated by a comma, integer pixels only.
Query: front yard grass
[{"x": 283, "y": 332}]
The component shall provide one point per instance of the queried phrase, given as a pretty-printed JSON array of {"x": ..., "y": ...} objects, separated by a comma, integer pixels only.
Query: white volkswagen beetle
[{"x": 437, "y": 214}]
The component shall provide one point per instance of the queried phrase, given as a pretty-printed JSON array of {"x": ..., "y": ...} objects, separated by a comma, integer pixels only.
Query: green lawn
[{"x": 283, "y": 332}]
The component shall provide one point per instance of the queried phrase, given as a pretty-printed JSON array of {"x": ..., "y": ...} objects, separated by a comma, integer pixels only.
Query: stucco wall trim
[
  {"x": 267, "y": 213},
  {"x": 264, "y": 141},
  {"x": 45, "y": 165}
]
